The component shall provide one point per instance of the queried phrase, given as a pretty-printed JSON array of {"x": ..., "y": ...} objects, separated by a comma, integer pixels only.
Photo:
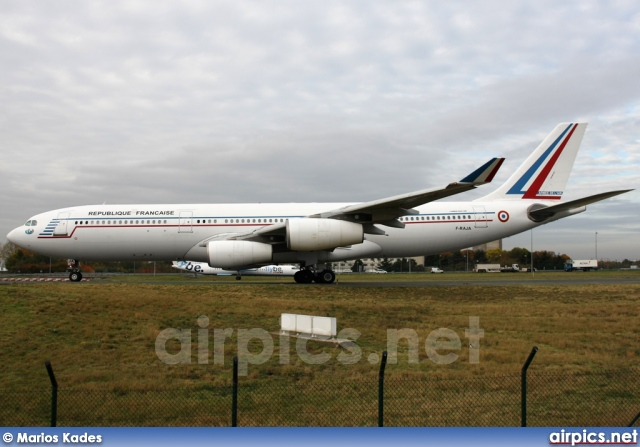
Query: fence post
[
  {"x": 383, "y": 365},
  {"x": 54, "y": 394},
  {"x": 523, "y": 394},
  {"x": 234, "y": 394},
  {"x": 634, "y": 420}
]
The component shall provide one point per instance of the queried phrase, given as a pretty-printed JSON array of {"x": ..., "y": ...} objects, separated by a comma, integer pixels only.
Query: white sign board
[{"x": 308, "y": 325}]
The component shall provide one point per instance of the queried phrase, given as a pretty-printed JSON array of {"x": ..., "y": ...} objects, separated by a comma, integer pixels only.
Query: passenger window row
[{"x": 429, "y": 218}]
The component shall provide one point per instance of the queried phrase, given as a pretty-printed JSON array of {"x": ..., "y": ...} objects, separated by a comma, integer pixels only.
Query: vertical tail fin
[{"x": 544, "y": 174}]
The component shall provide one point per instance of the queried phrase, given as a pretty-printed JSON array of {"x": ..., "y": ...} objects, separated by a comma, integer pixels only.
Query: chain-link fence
[{"x": 609, "y": 398}]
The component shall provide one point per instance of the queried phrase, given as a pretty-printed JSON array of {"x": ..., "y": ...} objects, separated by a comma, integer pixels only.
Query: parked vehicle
[
  {"x": 584, "y": 265},
  {"x": 436, "y": 270},
  {"x": 496, "y": 268},
  {"x": 487, "y": 268},
  {"x": 510, "y": 269}
]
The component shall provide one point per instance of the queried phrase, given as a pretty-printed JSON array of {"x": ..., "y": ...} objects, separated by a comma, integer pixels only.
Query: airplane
[
  {"x": 205, "y": 269},
  {"x": 243, "y": 236}
]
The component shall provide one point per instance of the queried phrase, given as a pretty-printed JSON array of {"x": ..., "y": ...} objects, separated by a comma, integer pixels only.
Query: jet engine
[
  {"x": 235, "y": 254},
  {"x": 322, "y": 234}
]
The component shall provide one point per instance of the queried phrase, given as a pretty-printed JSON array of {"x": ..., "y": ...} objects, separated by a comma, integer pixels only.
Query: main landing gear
[
  {"x": 309, "y": 275},
  {"x": 75, "y": 275}
]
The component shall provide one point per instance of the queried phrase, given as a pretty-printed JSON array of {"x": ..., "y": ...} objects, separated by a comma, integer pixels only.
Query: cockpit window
[{"x": 31, "y": 223}]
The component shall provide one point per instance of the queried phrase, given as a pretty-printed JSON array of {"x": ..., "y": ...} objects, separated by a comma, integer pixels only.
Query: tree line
[
  {"x": 19, "y": 260},
  {"x": 465, "y": 260}
]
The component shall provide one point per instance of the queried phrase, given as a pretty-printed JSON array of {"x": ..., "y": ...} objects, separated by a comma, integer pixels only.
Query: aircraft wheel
[
  {"x": 308, "y": 277},
  {"x": 326, "y": 277},
  {"x": 304, "y": 277},
  {"x": 238, "y": 278},
  {"x": 75, "y": 276}
]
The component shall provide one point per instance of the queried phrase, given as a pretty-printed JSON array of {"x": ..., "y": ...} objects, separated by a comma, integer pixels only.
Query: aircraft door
[
  {"x": 62, "y": 228},
  {"x": 480, "y": 216},
  {"x": 185, "y": 222}
]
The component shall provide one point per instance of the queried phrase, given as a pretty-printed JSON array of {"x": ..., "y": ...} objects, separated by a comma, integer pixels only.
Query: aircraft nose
[{"x": 14, "y": 235}]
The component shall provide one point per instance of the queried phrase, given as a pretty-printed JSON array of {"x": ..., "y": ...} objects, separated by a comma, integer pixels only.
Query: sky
[{"x": 316, "y": 101}]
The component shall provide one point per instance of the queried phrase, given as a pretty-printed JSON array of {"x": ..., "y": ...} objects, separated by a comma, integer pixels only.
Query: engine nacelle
[
  {"x": 235, "y": 254},
  {"x": 322, "y": 234}
]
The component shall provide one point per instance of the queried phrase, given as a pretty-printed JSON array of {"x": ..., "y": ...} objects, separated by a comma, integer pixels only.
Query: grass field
[
  {"x": 101, "y": 335},
  {"x": 103, "y": 332}
]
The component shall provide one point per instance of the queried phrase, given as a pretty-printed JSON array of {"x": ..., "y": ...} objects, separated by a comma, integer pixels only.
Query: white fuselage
[{"x": 178, "y": 232}]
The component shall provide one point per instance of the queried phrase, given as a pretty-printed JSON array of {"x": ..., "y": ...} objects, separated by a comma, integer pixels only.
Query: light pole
[
  {"x": 596, "y": 246},
  {"x": 467, "y": 266},
  {"x": 532, "y": 270}
]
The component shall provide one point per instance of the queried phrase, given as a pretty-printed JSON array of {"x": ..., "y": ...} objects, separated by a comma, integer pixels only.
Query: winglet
[{"x": 485, "y": 173}]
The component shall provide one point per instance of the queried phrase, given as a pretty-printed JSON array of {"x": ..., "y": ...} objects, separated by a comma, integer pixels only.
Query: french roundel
[{"x": 503, "y": 216}]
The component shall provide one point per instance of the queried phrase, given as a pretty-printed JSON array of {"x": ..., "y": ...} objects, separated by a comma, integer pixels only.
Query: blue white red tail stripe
[{"x": 543, "y": 166}]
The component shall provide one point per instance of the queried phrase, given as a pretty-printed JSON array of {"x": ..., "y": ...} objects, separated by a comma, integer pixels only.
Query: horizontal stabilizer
[{"x": 547, "y": 212}]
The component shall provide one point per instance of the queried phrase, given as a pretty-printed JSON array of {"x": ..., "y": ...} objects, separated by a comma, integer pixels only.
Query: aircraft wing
[
  {"x": 550, "y": 211},
  {"x": 386, "y": 211}
]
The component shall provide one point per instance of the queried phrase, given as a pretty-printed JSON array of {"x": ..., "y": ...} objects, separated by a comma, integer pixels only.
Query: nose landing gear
[{"x": 75, "y": 275}]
